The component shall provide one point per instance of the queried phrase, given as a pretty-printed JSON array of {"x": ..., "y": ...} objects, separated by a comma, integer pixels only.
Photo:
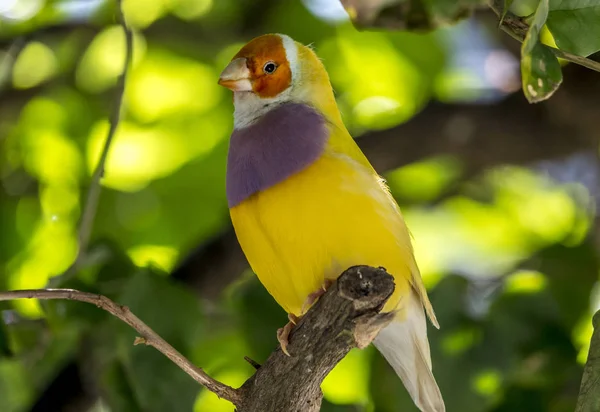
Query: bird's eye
[{"x": 269, "y": 67}]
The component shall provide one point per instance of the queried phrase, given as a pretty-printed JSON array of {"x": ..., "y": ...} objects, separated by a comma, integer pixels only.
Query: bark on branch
[
  {"x": 345, "y": 317},
  {"x": 589, "y": 393}
]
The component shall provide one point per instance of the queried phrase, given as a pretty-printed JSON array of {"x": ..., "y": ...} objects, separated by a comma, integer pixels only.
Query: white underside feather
[{"x": 404, "y": 345}]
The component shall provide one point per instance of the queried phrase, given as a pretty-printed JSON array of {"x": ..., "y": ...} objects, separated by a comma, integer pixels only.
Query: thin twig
[
  {"x": 582, "y": 61},
  {"x": 91, "y": 204},
  {"x": 252, "y": 362},
  {"x": 86, "y": 223},
  {"x": 148, "y": 336},
  {"x": 517, "y": 27}
]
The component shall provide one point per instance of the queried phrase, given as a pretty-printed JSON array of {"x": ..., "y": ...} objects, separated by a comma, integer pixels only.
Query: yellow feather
[{"x": 333, "y": 215}]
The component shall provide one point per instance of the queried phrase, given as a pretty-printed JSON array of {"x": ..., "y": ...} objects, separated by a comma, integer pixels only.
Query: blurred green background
[{"x": 499, "y": 195}]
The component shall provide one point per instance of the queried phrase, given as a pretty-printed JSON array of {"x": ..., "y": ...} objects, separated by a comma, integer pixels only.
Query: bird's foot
[
  {"x": 313, "y": 297},
  {"x": 284, "y": 333}
]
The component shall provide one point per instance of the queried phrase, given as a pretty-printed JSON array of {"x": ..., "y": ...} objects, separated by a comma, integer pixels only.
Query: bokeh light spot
[
  {"x": 34, "y": 65},
  {"x": 460, "y": 341},
  {"x": 137, "y": 155},
  {"x": 424, "y": 180},
  {"x": 208, "y": 401},
  {"x": 191, "y": 9},
  {"x": 487, "y": 382},
  {"x": 458, "y": 85},
  {"x": 525, "y": 281},
  {"x": 348, "y": 382},
  {"x": 142, "y": 13},
  {"x": 165, "y": 84},
  {"x": 381, "y": 86},
  {"x": 163, "y": 257},
  {"x": 50, "y": 156},
  {"x": 59, "y": 200},
  {"x": 103, "y": 61},
  {"x": 20, "y": 9}
]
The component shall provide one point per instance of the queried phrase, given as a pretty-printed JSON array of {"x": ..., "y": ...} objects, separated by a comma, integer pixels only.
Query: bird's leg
[
  {"x": 313, "y": 297},
  {"x": 284, "y": 333}
]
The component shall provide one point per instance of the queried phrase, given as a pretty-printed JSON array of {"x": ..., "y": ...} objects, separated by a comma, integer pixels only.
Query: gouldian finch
[{"x": 306, "y": 204}]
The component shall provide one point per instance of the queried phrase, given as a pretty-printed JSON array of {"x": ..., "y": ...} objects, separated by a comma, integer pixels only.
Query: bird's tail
[{"x": 404, "y": 345}]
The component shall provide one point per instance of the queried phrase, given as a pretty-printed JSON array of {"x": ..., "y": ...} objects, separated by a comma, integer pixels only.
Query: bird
[{"x": 306, "y": 203}]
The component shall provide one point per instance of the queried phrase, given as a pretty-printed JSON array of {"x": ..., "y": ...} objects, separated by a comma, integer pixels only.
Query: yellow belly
[{"x": 317, "y": 223}]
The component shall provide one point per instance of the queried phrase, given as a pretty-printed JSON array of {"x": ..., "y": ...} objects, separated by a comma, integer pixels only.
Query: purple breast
[{"x": 283, "y": 142}]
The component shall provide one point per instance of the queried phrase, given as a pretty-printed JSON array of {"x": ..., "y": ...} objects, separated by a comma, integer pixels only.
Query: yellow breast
[{"x": 334, "y": 214}]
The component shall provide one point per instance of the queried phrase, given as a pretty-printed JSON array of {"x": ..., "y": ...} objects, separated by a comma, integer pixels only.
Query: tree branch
[
  {"x": 589, "y": 393},
  {"x": 347, "y": 316},
  {"x": 86, "y": 222},
  {"x": 402, "y": 15},
  {"x": 91, "y": 204},
  {"x": 516, "y": 27},
  {"x": 148, "y": 336}
]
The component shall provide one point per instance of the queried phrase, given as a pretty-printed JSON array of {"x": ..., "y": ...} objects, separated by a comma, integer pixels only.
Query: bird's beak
[{"x": 236, "y": 76}]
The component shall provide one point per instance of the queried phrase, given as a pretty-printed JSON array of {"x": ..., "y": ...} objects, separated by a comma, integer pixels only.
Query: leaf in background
[
  {"x": 575, "y": 25},
  {"x": 4, "y": 346},
  {"x": 443, "y": 12},
  {"x": 41, "y": 351},
  {"x": 416, "y": 15},
  {"x": 540, "y": 69},
  {"x": 562, "y": 265},
  {"x": 16, "y": 392},
  {"x": 260, "y": 316},
  {"x": 120, "y": 394},
  {"x": 131, "y": 372}
]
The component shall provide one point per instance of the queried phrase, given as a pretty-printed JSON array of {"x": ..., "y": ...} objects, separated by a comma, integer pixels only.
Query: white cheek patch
[{"x": 291, "y": 54}]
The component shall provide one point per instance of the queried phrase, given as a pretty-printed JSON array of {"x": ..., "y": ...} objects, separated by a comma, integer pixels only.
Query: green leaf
[
  {"x": 540, "y": 70},
  {"x": 533, "y": 35},
  {"x": 541, "y": 73},
  {"x": 575, "y": 25}
]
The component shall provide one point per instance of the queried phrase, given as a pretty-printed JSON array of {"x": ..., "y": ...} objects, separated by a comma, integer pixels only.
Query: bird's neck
[
  {"x": 249, "y": 108},
  {"x": 283, "y": 141}
]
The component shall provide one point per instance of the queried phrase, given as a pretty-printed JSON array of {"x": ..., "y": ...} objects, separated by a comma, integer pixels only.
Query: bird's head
[{"x": 273, "y": 69}]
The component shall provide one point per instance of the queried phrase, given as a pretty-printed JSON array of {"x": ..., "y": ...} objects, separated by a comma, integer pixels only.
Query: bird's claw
[
  {"x": 284, "y": 333},
  {"x": 313, "y": 297}
]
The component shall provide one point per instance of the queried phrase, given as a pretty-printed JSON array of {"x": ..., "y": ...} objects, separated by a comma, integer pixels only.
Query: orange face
[{"x": 260, "y": 65}]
